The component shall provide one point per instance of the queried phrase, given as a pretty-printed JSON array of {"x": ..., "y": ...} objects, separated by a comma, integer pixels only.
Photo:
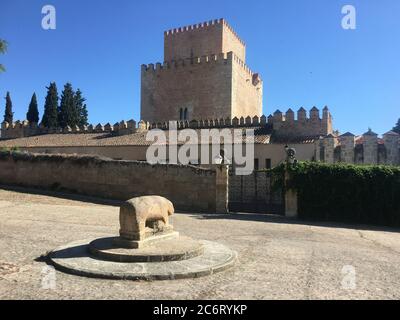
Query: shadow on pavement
[
  {"x": 63, "y": 195},
  {"x": 270, "y": 218}
]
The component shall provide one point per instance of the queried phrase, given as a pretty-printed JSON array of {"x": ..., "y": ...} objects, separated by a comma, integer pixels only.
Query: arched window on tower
[
  {"x": 185, "y": 116},
  {"x": 180, "y": 114}
]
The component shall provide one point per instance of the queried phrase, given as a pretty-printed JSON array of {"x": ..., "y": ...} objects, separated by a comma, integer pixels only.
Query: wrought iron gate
[{"x": 254, "y": 193}]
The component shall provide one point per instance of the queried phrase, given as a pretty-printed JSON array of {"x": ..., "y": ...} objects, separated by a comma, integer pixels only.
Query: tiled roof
[
  {"x": 391, "y": 133},
  {"x": 347, "y": 134},
  {"x": 297, "y": 140},
  {"x": 360, "y": 140},
  {"x": 100, "y": 139}
]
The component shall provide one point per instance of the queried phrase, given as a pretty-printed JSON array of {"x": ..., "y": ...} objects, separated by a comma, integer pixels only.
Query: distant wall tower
[{"x": 204, "y": 76}]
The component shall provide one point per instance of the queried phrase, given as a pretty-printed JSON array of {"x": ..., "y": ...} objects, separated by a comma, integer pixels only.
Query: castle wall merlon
[
  {"x": 20, "y": 129},
  {"x": 314, "y": 114},
  {"x": 206, "y": 59},
  {"x": 203, "y": 25},
  {"x": 193, "y": 27},
  {"x": 248, "y": 121}
]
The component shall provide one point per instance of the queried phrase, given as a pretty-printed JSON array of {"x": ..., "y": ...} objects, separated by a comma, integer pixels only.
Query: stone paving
[{"x": 278, "y": 258}]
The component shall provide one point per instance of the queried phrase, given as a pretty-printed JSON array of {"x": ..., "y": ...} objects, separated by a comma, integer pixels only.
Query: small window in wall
[
  {"x": 256, "y": 165},
  {"x": 185, "y": 115},
  {"x": 180, "y": 114},
  {"x": 268, "y": 163}
]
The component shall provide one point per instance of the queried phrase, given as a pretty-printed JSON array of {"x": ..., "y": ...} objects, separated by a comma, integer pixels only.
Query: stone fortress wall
[
  {"x": 364, "y": 149},
  {"x": 20, "y": 129},
  {"x": 202, "y": 87},
  {"x": 286, "y": 126},
  {"x": 284, "y": 129},
  {"x": 202, "y": 39},
  {"x": 204, "y": 73},
  {"x": 281, "y": 126},
  {"x": 120, "y": 180}
]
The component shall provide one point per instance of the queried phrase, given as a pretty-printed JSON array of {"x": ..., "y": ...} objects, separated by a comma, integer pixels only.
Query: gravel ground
[{"x": 278, "y": 258}]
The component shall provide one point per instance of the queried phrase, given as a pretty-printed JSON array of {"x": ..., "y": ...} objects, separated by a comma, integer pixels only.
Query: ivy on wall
[{"x": 346, "y": 193}]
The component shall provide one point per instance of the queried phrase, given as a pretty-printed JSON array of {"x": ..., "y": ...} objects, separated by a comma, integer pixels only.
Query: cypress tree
[
  {"x": 50, "y": 118},
  {"x": 68, "y": 112},
  {"x": 33, "y": 113},
  {"x": 396, "y": 128},
  {"x": 3, "y": 49},
  {"x": 81, "y": 108},
  {"x": 8, "y": 114}
]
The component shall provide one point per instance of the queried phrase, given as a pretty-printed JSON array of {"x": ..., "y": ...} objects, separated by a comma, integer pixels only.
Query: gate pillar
[
  {"x": 221, "y": 188},
  {"x": 290, "y": 200}
]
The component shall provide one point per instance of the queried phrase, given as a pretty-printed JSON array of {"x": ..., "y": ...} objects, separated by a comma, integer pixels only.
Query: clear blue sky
[{"x": 304, "y": 56}]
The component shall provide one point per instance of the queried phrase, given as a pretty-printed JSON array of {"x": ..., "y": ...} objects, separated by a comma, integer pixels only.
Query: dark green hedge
[{"x": 347, "y": 193}]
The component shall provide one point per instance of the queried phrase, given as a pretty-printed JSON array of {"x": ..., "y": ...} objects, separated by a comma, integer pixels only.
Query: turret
[
  {"x": 347, "y": 144},
  {"x": 326, "y": 127},
  {"x": 391, "y": 140},
  {"x": 329, "y": 143},
  {"x": 370, "y": 144}
]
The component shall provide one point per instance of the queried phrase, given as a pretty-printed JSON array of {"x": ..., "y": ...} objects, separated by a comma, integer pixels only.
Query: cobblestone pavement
[{"x": 278, "y": 258}]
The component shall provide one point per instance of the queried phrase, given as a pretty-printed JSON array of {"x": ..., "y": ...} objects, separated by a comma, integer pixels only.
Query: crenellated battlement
[
  {"x": 249, "y": 121},
  {"x": 367, "y": 148},
  {"x": 245, "y": 67},
  {"x": 311, "y": 124},
  {"x": 194, "y": 27},
  {"x": 221, "y": 59},
  {"x": 282, "y": 125},
  {"x": 201, "y": 26},
  {"x": 22, "y": 129}
]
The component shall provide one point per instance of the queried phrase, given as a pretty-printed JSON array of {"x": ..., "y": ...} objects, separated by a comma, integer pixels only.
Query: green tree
[
  {"x": 81, "y": 108},
  {"x": 8, "y": 114},
  {"x": 33, "y": 112},
  {"x": 68, "y": 114},
  {"x": 3, "y": 49},
  {"x": 50, "y": 115},
  {"x": 396, "y": 128}
]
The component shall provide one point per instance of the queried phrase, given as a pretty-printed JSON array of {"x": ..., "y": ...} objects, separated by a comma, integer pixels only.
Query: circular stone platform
[
  {"x": 75, "y": 258},
  {"x": 182, "y": 248}
]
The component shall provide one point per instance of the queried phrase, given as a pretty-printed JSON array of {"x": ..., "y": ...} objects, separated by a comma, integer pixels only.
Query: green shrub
[{"x": 346, "y": 193}]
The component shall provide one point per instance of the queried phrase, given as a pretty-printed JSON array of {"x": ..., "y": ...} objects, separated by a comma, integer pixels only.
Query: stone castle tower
[{"x": 204, "y": 76}]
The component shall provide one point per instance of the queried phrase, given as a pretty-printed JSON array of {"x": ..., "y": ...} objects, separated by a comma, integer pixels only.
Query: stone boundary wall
[{"x": 189, "y": 188}]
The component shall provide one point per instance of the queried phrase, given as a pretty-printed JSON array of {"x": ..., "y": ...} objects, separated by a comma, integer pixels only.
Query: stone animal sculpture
[{"x": 137, "y": 213}]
